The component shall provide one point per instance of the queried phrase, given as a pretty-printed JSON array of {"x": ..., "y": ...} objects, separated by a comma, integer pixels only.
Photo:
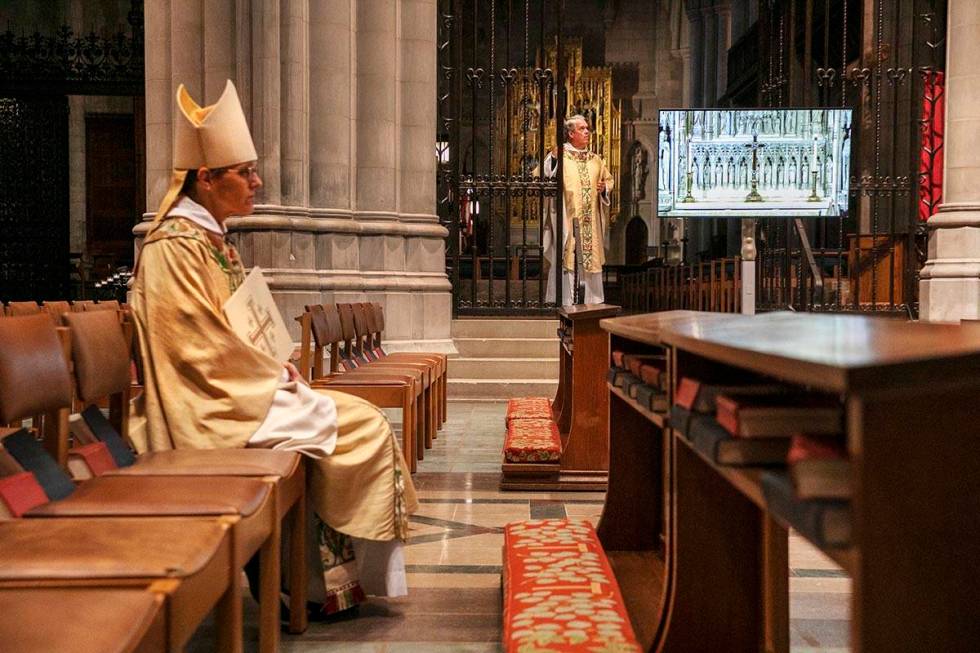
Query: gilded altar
[{"x": 589, "y": 92}]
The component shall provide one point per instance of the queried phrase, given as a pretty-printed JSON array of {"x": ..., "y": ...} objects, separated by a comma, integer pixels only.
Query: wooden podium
[
  {"x": 580, "y": 408},
  {"x": 581, "y": 405}
]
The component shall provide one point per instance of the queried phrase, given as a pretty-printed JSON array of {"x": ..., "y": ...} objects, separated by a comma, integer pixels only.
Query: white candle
[
  {"x": 813, "y": 162},
  {"x": 689, "y": 162}
]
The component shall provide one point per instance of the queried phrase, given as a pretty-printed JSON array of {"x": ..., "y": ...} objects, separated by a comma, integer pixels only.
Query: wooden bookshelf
[
  {"x": 659, "y": 419},
  {"x": 909, "y": 395}
]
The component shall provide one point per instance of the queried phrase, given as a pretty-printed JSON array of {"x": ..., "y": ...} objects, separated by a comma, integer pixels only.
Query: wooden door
[{"x": 112, "y": 187}]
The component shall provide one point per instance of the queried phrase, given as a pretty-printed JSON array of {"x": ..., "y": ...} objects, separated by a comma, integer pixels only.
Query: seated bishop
[{"x": 207, "y": 388}]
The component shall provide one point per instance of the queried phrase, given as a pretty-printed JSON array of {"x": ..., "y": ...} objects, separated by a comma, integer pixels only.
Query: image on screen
[{"x": 753, "y": 162}]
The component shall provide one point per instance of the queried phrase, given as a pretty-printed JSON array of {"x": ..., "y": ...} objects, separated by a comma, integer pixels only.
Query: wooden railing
[{"x": 710, "y": 286}]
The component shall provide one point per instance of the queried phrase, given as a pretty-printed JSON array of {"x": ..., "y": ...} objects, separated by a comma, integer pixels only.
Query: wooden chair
[
  {"x": 100, "y": 351},
  {"x": 102, "y": 305},
  {"x": 80, "y": 305},
  {"x": 30, "y": 351},
  {"x": 247, "y": 502},
  {"x": 189, "y": 562},
  {"x": 375, "y": 321},
  {"x": 122, "y": 619},
  {"x": 319, "y": 333},
  {"x": 348, "y": 361},
  {"x": 14, "y": 309},
  {"x": 369, "y": 343},
  {"x": 56, "y": 309},
  {"x": 355, "y": 356}
]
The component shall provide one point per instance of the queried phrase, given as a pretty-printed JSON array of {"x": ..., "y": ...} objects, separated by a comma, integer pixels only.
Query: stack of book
[
  {"x": 819, "y": 467},
  {"x": 642, "y": 377},
  {"x": 774, "y": 425}
]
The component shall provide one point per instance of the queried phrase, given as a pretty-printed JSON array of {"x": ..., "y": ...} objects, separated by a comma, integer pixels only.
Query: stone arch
[{"x": 636, "y": 241}]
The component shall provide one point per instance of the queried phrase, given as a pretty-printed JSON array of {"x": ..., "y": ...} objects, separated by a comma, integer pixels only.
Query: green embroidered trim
[
  {"x": 582, "y": 166},
  {"x": 227, "y": 259}
]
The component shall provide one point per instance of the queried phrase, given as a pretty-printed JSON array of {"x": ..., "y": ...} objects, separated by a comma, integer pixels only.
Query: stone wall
[
  {"x": 340, "y": 97},
  {"x": 641, "y": 34}
]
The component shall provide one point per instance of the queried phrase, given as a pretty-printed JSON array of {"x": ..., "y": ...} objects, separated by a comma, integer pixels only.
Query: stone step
[
  {"x": 501, "y": 388},
  {"x": 498, "y": 368},
  {"x": 515, "y": 347},
  {"x": 504, "y": 328}
]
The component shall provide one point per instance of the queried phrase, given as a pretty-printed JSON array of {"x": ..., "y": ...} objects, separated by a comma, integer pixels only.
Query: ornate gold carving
[{"x": 590, "y": 93}]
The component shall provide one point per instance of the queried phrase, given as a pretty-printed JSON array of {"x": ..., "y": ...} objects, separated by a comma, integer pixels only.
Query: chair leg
[
  {"x": 298, "y": 581},
  {"x": 430, "y": 417},
  {"x": 420, "y": 429},
  {"x": 228, "y": 616},
  {"x": 408, "y": 428},
  {"x": 445, "y": 396},
  {"x": 270, "y": 569}
]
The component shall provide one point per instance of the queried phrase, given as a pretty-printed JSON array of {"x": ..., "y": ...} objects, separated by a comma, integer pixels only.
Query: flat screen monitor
[{"x": 753, "y": 163}]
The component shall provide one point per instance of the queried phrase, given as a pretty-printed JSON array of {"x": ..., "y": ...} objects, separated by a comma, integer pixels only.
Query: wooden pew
[{"x": 717, "y": 579}]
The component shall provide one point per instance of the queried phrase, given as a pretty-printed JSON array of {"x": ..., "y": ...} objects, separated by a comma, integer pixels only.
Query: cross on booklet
[{"x": 253, "y": 315}]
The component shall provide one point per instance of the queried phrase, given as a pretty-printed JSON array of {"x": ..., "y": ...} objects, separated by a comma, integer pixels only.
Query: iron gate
[
  {"x": 883, "y": 60},
  {"x": 34, "y": 198},
  {"x": 37, "y": 72},
  {"x": 498, "y": 105}
]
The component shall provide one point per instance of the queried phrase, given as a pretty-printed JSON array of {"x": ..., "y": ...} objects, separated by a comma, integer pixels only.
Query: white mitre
[{"x": 215, "y": 136}]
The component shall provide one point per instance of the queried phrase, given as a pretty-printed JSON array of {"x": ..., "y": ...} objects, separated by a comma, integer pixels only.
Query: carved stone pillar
[
  {"x": 710, "y": 61},
  {"x": 724, "y": 18},
  {"x": 949, "y": 290},
  {"x": 340, "y": 98},
  {"x": 696, "y": 45}
]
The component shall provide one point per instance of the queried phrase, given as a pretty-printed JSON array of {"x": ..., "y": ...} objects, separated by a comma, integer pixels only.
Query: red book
[
  {"x": 21, "y": 493},
  {"x": 687, "y": 392},
  {"x": 807, "y": 447},
  {"x": 819, "y": 467},
  {"x": 650, "y": 374},
  {"x": 90, "y": 460},
  {"x": 778, "y": 415}
]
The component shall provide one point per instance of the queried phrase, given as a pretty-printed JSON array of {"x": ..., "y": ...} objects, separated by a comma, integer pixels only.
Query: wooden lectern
[{"x": 580, "y": 408}]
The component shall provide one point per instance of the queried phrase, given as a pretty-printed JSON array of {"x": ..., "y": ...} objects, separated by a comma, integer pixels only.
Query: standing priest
[
  {"x": 586, "y": 187},
  {"x": 206, "y": 388}
]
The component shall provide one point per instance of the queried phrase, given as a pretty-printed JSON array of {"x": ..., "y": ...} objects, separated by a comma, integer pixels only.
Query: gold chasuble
[
  {"x": 205, "y": 387},
  {"x": 586, "y": 206}
]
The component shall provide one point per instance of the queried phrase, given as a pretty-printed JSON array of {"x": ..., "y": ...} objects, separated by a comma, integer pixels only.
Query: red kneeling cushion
[
  {"x": 560, "y": 592},
  {"x": 528, "y": 408},
  {"x": 532, "y": 441}
]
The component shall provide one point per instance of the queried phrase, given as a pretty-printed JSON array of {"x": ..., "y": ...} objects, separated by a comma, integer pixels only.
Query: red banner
[{"x": 931, "y": 151}]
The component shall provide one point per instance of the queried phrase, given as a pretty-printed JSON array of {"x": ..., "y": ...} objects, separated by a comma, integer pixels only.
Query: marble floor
[{"x": 454, "y": 558}]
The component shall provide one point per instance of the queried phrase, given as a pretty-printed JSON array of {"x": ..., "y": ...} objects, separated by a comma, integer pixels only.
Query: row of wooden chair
[
  {"x": 151, "y": 544},
  {"x": 57, "y": 309},
  {"x": 348, "y": 338}
]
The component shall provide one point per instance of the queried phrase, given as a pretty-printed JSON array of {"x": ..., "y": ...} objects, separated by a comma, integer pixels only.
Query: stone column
[
  {"x": 340, "y": 98},
  {"x": 695, "y": 86},
  {"x": 723, "y": 13},
  {"x": 331, "y": 52},
  {"x": 267, "y": 95},
  {"x": 425, "y": 254},
  {"x": 294, "y": 111},
  {"x": 376, "y": 68},
  {"x": 949, "y": 290},
  {"x": 710, "y": 58}
]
